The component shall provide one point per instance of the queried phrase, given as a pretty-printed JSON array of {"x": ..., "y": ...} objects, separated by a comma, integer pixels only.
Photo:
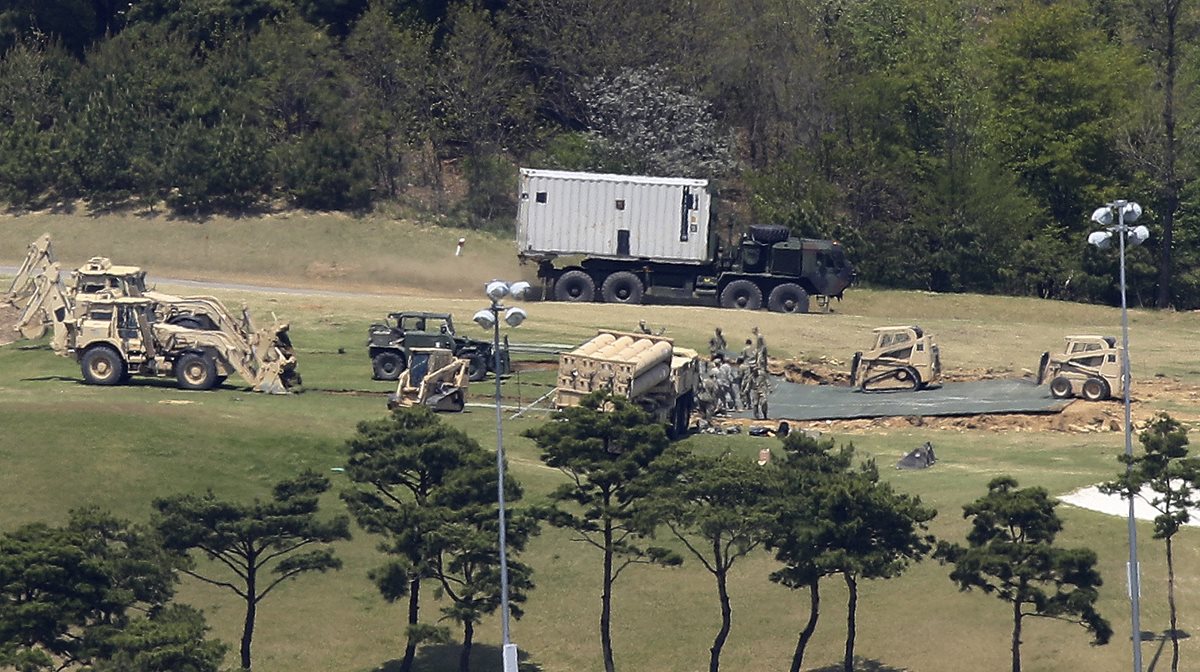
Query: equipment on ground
[
  {"x": 921, "y": 457},
  {"x": 1088, "y": 367},
  {"x": 900, "y": 358},
  {"x": 646, "y": 369},
  {"x": 434, "y": 377},
  {"x": 390, "y": 344},
  {"x": 631, "y": 239},
  {"x": 116, "y": 338}
]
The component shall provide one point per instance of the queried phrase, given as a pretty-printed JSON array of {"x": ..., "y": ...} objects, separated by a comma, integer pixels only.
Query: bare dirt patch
[{"x": 8, "y": 320}]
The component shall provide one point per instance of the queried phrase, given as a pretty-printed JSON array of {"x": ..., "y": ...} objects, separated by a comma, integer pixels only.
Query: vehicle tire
[
  {"x": 1060, "y": 388},
  {"x": 1094, "y": 389},
  {"x": 102, "y": 365},
  {"x": 788, "y": 298},
  {"x": 622, "y": 287},
  {"x": 388, "y": 365},
  {"x": 768, "y": 234},
  {"x": 575, "y": 286},
  {"x": 196, "y": 371},
  {"x": 741, "y": 294},
  {"x": 477, "y": 368},
  {"x": 197, "y": 322}
]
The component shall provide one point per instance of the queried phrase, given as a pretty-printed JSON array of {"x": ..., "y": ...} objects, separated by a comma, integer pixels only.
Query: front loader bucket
[{"x": 1042, "y": 366}]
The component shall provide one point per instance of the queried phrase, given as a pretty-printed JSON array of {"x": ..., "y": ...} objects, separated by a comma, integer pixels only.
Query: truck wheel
[
  {"x": 477, "y": 368},
  {"x": 194, "y": 371},
  {"x": 741, "y": 294},
  {"x": 768, "y": 234},
  {"x": 575, "y": 286},
  {"x": 788, "y": 298},
  {"x": 102, "y": 366},
  {"x": 388, "y": 365},
  {"x": 621, "y": 287},
  {"x": 1095, "y": 389},
  {"x": 1060, "y": 388}
]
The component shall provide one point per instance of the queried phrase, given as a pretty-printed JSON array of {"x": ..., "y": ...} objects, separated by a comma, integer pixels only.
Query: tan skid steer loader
[
  {"x": 114, "y": 339},
  {"x": 900, "y": 358},
  {"x": 435, "y": 378},
  {"x": 1088, "y": 367}
]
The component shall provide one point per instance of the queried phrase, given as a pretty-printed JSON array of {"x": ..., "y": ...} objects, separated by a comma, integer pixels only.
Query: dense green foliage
[
  {"x": 951, "y": 145},
  {"x": 95, "y": 594}
]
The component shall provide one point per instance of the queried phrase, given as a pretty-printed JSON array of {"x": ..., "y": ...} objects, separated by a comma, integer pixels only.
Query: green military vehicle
[{"x": 390, "y": 344}]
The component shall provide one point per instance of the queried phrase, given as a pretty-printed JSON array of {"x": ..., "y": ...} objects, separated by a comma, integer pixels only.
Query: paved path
[{"x": 794, "y": 401}]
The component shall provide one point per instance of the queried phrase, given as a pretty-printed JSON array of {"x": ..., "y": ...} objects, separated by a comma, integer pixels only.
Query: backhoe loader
[
  {"x": 114, "y": 339},
  {"x": 38, "y": 259},
  {"x": 900, "y": 358}
]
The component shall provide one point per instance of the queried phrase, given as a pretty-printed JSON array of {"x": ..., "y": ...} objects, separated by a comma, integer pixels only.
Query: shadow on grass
[
  {"x": 862, "y": 665},
  {"x": 1162, "y": 639},
  {"x": 444, "y": 658}
]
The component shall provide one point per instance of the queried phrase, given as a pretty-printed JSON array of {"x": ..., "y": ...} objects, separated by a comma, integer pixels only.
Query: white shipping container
[{"x": 619, "y": 216}]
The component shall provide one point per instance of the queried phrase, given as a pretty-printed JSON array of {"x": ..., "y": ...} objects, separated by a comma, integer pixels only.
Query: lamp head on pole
[
  {"x": 519, "y": 289},
  {"x": 1101, "y": 239},
  {"x": 485, "y": 318},
  {"x": 1103, "y": 216},
  {"x": 496, "y": 289},
  {"x": 514, "y": 316}
]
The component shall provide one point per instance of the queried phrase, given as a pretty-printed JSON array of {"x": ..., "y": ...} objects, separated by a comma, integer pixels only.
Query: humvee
[{"x": 390, "y": 344}]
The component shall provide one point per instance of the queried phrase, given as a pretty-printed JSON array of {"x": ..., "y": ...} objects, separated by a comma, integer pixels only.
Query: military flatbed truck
[{"x": 633, "y": 239}]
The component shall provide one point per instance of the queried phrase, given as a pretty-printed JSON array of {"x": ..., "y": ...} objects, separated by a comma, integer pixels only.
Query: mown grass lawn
[{"x": 64, "y": 445}]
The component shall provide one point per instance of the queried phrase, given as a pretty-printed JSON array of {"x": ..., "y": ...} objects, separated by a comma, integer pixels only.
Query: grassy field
[{"x": 64, "y": 445}]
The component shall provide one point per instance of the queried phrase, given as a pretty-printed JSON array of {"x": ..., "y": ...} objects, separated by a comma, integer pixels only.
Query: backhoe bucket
[{"x": 276, "y": 370}]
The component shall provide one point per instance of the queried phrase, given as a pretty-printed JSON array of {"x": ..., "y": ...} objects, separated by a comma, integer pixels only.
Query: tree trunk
[
  {"x": 248, "y": 625},
  {"x": 414, "y": 601},
  {"x": 1170, "y": 190},
  {"x": 714, "y": 660},
  {"x": 851, "y": 609},
  {"x": 606, "y": 600},
  {"x": 1171, "y": 604},
  {"x": 814, "y": 611},
  {"x": 464, "y": 658},
  {"x": 1016, "y": 637}
]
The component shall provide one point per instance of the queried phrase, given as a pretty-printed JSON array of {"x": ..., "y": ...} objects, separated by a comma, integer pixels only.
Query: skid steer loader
[
  {"x": 115, "y": 339},
  {"x": 1088, "y": 367},
  {"x": 434, "y": 378},
  {"x": 900, "y": 358}
]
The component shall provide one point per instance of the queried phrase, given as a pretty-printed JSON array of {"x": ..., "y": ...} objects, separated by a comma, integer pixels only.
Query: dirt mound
[
  {"x": 8, "y": 319},
  {"x": 825, "y": 371}
]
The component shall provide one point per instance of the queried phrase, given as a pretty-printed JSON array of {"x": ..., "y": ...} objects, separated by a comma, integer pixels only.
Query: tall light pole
[
  {"x": 1117, "y": 217},
  {"x": 489, "y": 318}
]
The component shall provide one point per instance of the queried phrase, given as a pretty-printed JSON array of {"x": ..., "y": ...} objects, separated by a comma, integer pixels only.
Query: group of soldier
[{"x": 733, "y": 381}]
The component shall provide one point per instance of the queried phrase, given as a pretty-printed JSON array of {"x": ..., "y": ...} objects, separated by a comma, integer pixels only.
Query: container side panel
[{"x": 580, "y": 213}]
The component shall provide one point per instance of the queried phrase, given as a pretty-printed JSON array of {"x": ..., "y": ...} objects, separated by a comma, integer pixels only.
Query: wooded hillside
[{"x": 951, "y": 145}]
